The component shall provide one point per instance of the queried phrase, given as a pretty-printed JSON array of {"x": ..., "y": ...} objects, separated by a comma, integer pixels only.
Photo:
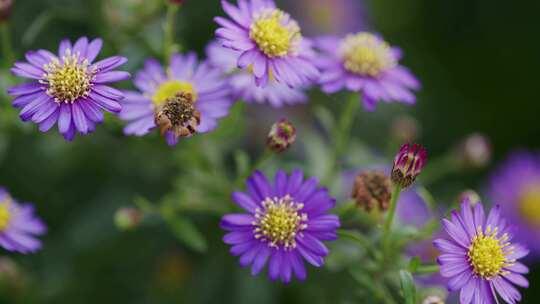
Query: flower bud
[
  {"x": 405, "y": 128},
  {"x": 408, "y": 163},
  {"x": 282, "y": 135},
  {"x": 372, "y": 189},
  {"x": 127, "y": 218},
  {"x": 433, "y": 300},
  {"x": 474, "y": 151},
  {"x": 177, "y": 2},
  {"x": 470, "y": 195},
  {"x": 5, "y": 10}
]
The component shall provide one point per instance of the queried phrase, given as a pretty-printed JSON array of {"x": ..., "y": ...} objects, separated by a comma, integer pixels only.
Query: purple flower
[
  {"x": 330, "y": 16},
  {"x": 479, "y": 258},
  {"x": 19, "y": 226},
  {"x": 365, "y": 63},
  {"x": 243, "y": 84},
  {"x": 69, "y": 88},
  {"x": 516, "y": 184},
  {"x": 190, "y": 97},
  {"x": 285, "y": 224},
  {"x": 268, "y": 42}
]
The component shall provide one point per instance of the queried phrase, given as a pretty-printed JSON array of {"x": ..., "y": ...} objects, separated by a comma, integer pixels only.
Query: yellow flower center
[
  {"x": 275, "y": 33},
  {"x": 487, "y": 253},
  {"x": 169, "y": 89},
  {"x": 68, "y": 79},
  {"x": 5, "y": 215},
  {"x": 280, "y": 222},
  {"x": 365, "y": 54},
  {"x": 529, "y": 206}
]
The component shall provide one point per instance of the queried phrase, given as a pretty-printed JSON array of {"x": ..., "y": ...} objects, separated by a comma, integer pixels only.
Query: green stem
[
  {"x": 168, "y": 41},
  {"x": 427, "y": 269},
  {"x": 390, "y": 217},
  {"x": 342, "y": 134},
  {"x": 7, "y": 49}
]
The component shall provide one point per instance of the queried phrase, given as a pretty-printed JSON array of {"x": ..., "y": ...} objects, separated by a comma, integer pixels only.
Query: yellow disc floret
[
  {"x": 5, "y": 214},
  {"x": 366, "y": 54},
  {"x": 529, "y": 206},
  {"x": 488, "y": 253},
  {"x": 169, "y": 89},
  {"x": 275, "y": 33},
  {"x": 69, "y": 78},
  {"x": 280, "y": 222}
]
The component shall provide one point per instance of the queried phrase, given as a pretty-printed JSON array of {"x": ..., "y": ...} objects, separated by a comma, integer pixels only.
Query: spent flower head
[
  {"x": 372, "y": 189},
  {"x": 281, "y": 136},
  {"x": 408, "y": 163}
]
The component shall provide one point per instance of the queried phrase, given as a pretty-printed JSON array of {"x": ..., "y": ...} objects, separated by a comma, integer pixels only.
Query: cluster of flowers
[{"x": 259, "y": 56}]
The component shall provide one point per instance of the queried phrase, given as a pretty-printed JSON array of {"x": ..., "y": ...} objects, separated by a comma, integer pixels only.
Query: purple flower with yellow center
[
  {"x": 243, "y": 84},
  {"x": 479, "y": 258},
  {"x": 365, "y": 63},
  {"x": 69, "y": 89},
  {"x": 517, "y": 185},
  {"x": 286, "y": 223},
  {"x": 19, "y": 226},
  {"x": 186, "y": 98},
  {"x": 408, "y": 163},
  {"x": 269, "y": 43}
]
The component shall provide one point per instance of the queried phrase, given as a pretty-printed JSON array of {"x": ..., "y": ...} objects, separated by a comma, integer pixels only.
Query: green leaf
[
  {"x": 407, "y": 286},
  {"x": 185, "y": 231}
]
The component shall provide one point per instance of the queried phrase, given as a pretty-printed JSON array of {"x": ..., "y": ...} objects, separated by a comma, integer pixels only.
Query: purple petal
[
  {"x": 112, "y": 76},
  {"x": 245, "y": 201},
  {"x": 93, "y": 49},
  {"x": 64, "y": 120}
]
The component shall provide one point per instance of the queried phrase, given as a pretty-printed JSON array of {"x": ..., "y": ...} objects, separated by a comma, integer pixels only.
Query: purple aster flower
[
  {"x": 330, "y": 16},
  {"x": 269, "y": 43},
  {"x": 243, "y": 84},
  {"x": 517, "y": 185},
  {"x": 285, "y": 224},
  {"x": 19, "y": 226},
  {"x": 365, "y": 63},
  {"x": 190, "y": 97},
  {"x": 479, "y": 258},
  {"x": 70, "y": 88}
]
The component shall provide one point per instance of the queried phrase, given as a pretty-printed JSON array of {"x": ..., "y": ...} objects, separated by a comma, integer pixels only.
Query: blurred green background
[{"x": 478, "y": 62}]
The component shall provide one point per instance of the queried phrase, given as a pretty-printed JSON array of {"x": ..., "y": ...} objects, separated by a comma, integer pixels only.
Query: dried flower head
[
  {"x": 372, "y": 189},
  {"x": 178, "y": 115},
  {"x": 408, "y": 163},
  {"x": 282, "y": 135}
]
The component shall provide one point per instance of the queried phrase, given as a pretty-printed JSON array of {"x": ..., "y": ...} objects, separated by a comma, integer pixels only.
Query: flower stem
[
  {"x": 7, "y": 49},
  {"x": 342, "y": 134},
  {"x": 168, "y": 40},
  {"x": 427, "y": 269},
  {"x": 390, "y": 218}
]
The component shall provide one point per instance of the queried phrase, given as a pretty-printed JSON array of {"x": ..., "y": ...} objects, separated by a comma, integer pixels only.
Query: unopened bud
[
  {"x": 408, "y": 163},
  {"x": 475, "y": 151},
  {"x": 372, "y": 189},
  {"x": 282, "y": 135},
  {"x": 433, "y": 300},
  {"x": 127, "y": 218},
  {"x": 5, "y": 9},
  {"x": 471, "y": 196},
  {"x": 405, "y": 128}
]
